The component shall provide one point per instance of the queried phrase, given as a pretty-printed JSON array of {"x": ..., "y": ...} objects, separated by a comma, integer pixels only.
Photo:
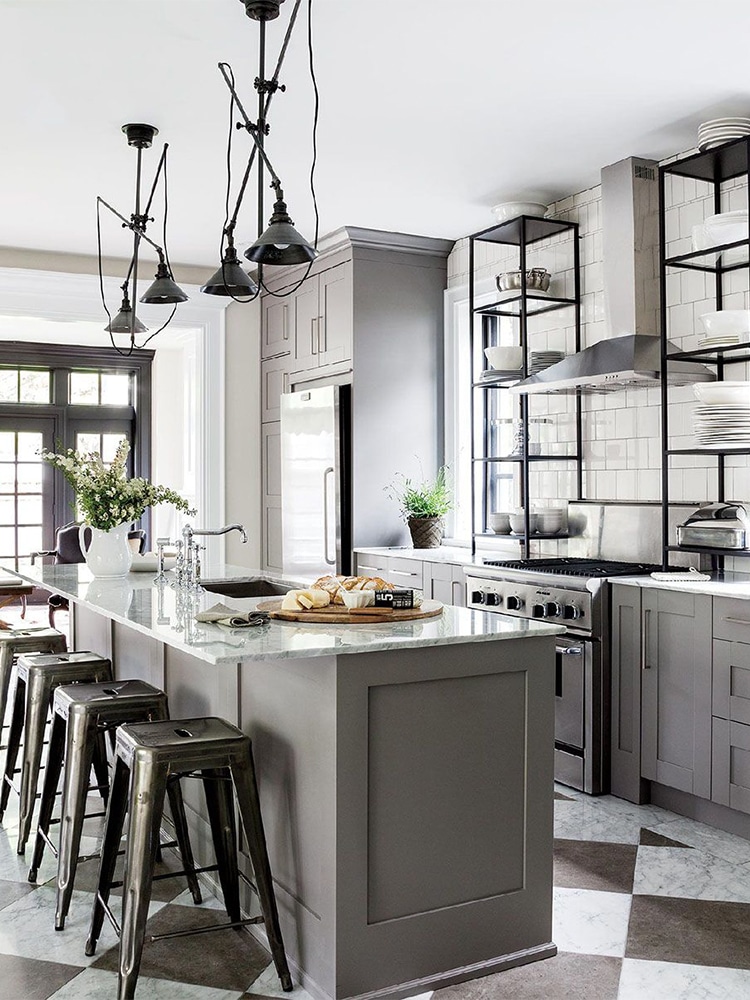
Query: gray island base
[{"x": 405, "y": 771}]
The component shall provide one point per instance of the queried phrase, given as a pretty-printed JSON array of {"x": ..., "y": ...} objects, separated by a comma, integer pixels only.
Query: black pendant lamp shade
[
  {"x": 123, "y": 321},
  {"x": 281, "y": 243},
  {"x": 230, "y": 279},
  {"x": 164, "y": 290}
]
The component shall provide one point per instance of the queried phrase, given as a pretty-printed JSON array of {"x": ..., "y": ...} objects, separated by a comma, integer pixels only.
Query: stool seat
[
  {"x": 82, "y": 713},
  {"x": 20, "y": 640},
  {"x": 37, "y": 677},
  {"x": 147, "y": 756}
]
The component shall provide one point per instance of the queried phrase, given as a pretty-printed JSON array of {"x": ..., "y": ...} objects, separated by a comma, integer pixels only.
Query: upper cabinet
[
  {"x": 323, "y": 318},
  {"x": 275, "y": 333},
  {"x": 705, "y": 288}
]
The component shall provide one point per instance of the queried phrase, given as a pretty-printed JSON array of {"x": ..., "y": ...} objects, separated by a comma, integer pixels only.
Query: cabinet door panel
[
  {"x": 274, "y": 327},
  {"x": 405, "y": 572},
  {"x": 731, "y": 765},
  {"x": 274, "y": 380},
  {"x": 306, "y": 324},
  {"x": 626, "y": 693},
  {"x": 731, "y": 619},
  {"x": 371, "y": 564},
  {"x": 272, "y": 461},
  {"x": 336, "y": 315},
  {"x": 676, "y": 691},
  {"x": 731, "y": 681},
  {"x": 272, "y": 539}
]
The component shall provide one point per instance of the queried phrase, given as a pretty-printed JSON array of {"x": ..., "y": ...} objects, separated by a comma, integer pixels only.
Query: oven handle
[
  {"x": 570, "y": 650},
  {"x": 561, "y": 651}
]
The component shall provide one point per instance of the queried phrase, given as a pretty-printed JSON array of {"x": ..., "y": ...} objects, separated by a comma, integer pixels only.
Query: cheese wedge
[{"x": 305, "y": 600}]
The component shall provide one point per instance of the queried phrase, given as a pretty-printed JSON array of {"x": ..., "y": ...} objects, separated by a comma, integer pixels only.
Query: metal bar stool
[
  {"x": 146, "y": 755},
  {"x": 17, "y": 641},
  {"x": 82, "y": 714},
  {"x": 37, "y": 676}
]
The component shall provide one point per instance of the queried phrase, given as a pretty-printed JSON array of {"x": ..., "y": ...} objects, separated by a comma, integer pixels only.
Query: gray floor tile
[
  {"x": 650, "y": 839},
  {"x": 31, "y": 979},
  {"x": 11, "y": 891},
  {"x": 583, "y": 977},
  {"x": 591, "y": 865},
  {"x": 690, "y": 931}
]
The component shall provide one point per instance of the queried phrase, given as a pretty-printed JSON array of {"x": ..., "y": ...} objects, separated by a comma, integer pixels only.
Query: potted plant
[
  {"x": 423, "y": 506},
  {"x": 107, "y": 503}
]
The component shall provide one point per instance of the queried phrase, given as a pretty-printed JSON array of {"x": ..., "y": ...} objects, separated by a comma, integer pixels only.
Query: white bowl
[
  {"x": 511, "y": 209},
  {"x": 498, "y": 522},
  {"x": 358, "y": 598},
  {"x": 718, "y": 393},
  {"x": 727, "y": 321},
  {"x": 517, "y": 525},
  {"x": 508, "y": 359}
]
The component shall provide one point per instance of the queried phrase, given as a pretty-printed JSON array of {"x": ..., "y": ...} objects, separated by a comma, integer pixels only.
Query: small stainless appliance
[
  {"x": 571, "y": 592},
  {"x": 716, "y": 526}
]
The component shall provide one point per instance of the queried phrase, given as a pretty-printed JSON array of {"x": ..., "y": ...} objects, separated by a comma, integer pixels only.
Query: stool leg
[
  {"x": 78, "y": 757},
  {"x": 101, "y": 768},
  {"x": 243, "y": 772},
  {"x": 37, "y": 707},
  {"x": 147, "y": 790},
  {"x": 14, "y": 742},
  {"x": 179, "y": 819},
  {"x": 217, "y": 788},
  {"x": 6, "y": 669},
  {"x": 113, "y": 824},
  {"x": 49, "y": 790}
]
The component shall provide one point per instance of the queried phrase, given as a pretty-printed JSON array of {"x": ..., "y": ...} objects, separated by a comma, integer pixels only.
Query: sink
[{"x": 254, "y": 587}]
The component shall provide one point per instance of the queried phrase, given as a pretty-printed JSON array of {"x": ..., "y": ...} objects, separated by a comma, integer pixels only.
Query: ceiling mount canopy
[
  {"x": 163, "y": 290},
  {"x": 280, "y": 243}
]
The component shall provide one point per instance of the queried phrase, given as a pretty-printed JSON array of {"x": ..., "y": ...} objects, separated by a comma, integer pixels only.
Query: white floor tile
[
  {"x": 716, "y": 842},
  {"x": 590, "y": 922},
  {"x": 606, "y": 819},
  {"x": 641, "y": 980},
  {"x": 691, "y": 874},
  {"x": 98, "y": 984}
]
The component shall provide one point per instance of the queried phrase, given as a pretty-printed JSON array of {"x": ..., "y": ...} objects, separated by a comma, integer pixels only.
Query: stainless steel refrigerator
[{"x": 315, "y": 482}]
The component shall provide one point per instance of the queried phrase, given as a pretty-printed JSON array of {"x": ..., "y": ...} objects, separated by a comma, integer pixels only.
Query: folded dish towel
[{"x": 220, "y": 614}]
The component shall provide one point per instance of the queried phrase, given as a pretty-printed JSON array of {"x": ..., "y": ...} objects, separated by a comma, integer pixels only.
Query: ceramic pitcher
[{"x": 108, "y": 554}]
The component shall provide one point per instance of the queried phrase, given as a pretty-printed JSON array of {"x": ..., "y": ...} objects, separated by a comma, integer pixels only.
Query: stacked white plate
[
  {"x": 722, "y": 415},
  {"x": 543, "y": 359},
  {"x": 718, "y": 130}
]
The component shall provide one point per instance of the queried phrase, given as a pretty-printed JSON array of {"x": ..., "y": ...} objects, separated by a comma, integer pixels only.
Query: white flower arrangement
[{"x": 105, "y": 496}]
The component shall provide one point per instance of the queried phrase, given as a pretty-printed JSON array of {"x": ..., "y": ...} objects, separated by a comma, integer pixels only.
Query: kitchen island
[{"x": 405, "y": 772}]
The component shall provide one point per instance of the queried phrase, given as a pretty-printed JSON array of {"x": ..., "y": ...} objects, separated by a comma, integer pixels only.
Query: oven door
[{"x": 570, "y": 692}]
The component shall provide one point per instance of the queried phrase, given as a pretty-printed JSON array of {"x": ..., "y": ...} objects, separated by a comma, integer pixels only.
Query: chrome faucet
[{"x": 189, "y": 562}]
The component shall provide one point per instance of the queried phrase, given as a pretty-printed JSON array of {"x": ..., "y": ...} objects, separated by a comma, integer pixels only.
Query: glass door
[{"x": 27, "y": 500}]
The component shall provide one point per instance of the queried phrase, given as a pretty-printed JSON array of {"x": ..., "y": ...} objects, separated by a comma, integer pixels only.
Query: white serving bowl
[
  {"x": 499, "y": 522},
  {"x": 512, "y": 209},
  {"x": 727, "y": 321},
  {"x": 718, "y": 393},
  {"x": 517, "y": 524},
  {"x": 508, "y": 359}
]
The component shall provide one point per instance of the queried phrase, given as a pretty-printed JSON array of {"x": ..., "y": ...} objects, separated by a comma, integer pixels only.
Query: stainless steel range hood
[{"x": 630, "y": 354}]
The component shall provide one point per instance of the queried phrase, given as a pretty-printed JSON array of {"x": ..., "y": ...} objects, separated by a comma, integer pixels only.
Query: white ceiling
[{"x": 431, "y": 111}]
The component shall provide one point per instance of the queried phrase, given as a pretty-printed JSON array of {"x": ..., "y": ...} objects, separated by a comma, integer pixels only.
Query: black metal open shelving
[
  {"x": 522, "y": 232},
  {"x": 715, "y": 167}
]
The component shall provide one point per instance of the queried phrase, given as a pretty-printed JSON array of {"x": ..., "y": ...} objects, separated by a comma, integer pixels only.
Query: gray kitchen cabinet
[
  {"x": 371, "y": 564},
  {"x": 626, "y": 658},
  {"x": 406, "y": 572},
  {"x": 445, "y": 582},
  {"x": 271, "y": 505},
  {"x": 274, "y": 327},
  {"x": 323, "y": 313},
  {"x": 676, "y": 690},
  {"x": 730, "y": 765},
  {"x": 274, "y": 379},
  {"x": 730, "y": 697}
]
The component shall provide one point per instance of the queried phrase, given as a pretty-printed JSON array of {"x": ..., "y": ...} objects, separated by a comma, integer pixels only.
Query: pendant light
[
  {"x": 163, "y": 291},
  {"x": 125, "y": 321},
  {"x": 280, "y": 243},
  {"x": 230, "y": 279}
]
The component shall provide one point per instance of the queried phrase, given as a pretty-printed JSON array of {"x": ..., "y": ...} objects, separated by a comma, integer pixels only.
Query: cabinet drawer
[
  {"x": 371, "y": 565},
  {"x": 405, "y": 572},
  {"x": 730, "y": 770},
  {"x": 730, "y": 698},
  {"x": 731, "y": 619}
]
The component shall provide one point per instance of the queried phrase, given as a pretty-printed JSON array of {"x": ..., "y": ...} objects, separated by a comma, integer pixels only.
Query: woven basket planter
[{"x": 426, "y": 532}]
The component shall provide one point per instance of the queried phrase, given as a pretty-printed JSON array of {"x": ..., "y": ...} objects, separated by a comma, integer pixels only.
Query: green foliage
[
  {"x": 104, "y": 495},
  {"x": 425, "y": 499}
]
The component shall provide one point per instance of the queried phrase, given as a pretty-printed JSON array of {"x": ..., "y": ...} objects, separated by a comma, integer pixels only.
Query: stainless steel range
[{"x": 570, "y": 592}]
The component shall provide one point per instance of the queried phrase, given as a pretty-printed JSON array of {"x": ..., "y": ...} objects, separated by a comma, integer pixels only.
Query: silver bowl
[{"x": 537, "y": 280}]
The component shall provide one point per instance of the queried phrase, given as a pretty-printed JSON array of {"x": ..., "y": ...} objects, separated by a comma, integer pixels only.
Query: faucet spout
[{"x": 222, "y": 531}]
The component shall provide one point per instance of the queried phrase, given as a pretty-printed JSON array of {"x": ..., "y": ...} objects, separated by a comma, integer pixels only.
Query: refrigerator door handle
[{"x": 326, "y": 473}]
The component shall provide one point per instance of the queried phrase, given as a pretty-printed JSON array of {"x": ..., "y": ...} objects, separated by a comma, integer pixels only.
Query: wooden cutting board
[{"x": 337, "y": 614}]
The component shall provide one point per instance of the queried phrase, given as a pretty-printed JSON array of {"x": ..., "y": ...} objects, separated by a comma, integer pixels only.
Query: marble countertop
[
  {"x": 169, "y": 616},
  {"x": 731, "y": 585}
]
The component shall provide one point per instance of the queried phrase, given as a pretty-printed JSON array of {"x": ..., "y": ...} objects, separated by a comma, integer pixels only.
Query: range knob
[
  {"x": 538, "y": 611},
  {"x": 514, "y": 603},
  {"x": 492, "y": 599},
  {"x": 553, "y": 609},
  {"x": 572, "y": 611},
  {"x": 477, "y": 597}
]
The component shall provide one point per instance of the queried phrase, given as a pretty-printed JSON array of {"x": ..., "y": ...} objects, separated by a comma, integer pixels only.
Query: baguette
[{"x": 334, "y": 584}]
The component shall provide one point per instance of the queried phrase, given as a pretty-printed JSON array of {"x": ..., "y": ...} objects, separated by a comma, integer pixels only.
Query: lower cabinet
[
  {"x": 438, "y": 581},
  {"x": 676, "y": 690},
  {"x": 625, "y": 733},
  {"x": 730, "y": 765},
  {"x": 445, "y": 582}
]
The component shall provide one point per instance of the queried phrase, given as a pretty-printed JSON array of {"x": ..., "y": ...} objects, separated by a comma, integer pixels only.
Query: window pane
[
  {"x": 8, "y": 386},
  {"x": 84, "y": 388},
  {"x": 7, "y": 510},
  {"x": 110, "y": 443},
  {"x": 35, "y": 387},
  {"x": 88, "y": 443},
  {"x": 7, "y": 446},
  {"x": 29, "y": 445},
  {"x": 29, "y": 510},
  {"x": 115, "y": 390},
  {"x": 29, "y": 540},
  {"x": 7, "y": 477},
  {"x": 29, "y": 477},
  {"x": 8, "y": 542}
]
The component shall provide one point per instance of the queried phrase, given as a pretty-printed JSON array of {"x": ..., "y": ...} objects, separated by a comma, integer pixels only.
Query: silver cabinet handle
[
  {"x": 738, "y": 621},
  {"x": 571, "y": 650},
  {"x": 321, "y": 341},
  {"x": 646, "y": 638},
  {"x": 327, "y": 472},
  {"x": 314, "y": 336}
]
